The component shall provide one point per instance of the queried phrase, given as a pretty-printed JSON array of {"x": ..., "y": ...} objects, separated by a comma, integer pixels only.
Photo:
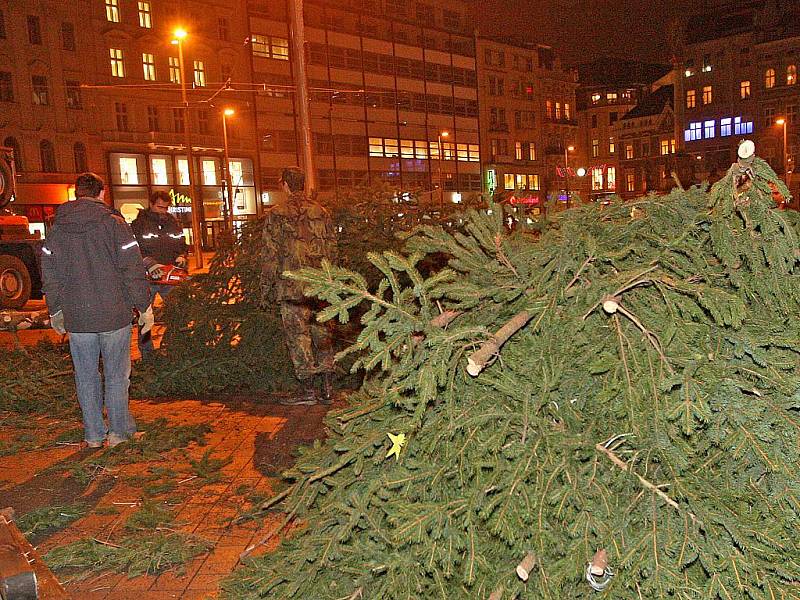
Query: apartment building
[
  {"x": 527, "y": 116},
  {"x": 96, "y": 85},
  {"x": 609, "y": 89},
  {"x": 739, "y": 80},
  {"x": 393, "y": 95}
]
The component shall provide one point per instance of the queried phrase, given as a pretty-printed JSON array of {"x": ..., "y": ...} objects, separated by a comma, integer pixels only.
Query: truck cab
[{"x": 20, "y": 250}]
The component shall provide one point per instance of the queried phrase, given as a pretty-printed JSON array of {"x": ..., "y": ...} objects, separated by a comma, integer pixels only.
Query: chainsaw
[{"x": 170, "y": 275}]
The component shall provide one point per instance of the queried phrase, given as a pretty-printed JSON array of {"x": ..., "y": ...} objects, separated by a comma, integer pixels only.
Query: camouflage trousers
[{"x": 310, "y": 343}]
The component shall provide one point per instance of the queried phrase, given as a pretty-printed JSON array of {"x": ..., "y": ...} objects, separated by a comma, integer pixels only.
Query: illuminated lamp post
[
  {"x": 567, "y": 150},
  {"x": 180, "y": 34},
  {"x": 442, "y": 134},
  {"x": 783, "y": 121},
  {"x": 228, "y": 205}
]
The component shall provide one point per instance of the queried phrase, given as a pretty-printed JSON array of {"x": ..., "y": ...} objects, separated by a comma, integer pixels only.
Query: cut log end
[
  {"x": 525, "y": 568},
  {"x": 474, "y": 368}
]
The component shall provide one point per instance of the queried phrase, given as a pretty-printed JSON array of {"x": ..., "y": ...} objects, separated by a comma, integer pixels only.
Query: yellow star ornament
[{"x": 397, "y": 444}]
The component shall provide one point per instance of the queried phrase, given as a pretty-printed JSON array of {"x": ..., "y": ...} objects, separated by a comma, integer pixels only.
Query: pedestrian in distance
[
  {"x": 93, "y": 279},
  {"x": 162, "y": 245},
  {"x": 299, "y": 232}
]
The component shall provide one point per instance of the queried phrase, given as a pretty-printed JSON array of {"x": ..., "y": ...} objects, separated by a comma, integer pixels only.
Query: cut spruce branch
[
  {"x": 478, "y": 360},
  {"x": 650, "y": 486}
]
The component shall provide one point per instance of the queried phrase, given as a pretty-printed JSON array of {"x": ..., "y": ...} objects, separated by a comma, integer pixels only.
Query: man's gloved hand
[
  {"x": 146, "y": 320},
  {"x": 156, "y": 271},
  {"x": 182, "y": 262},
  {"x": 57, "y": 323}
]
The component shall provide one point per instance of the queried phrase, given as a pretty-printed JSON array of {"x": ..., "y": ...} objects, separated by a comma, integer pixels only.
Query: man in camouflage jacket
[{"x": 298, "y": 233}]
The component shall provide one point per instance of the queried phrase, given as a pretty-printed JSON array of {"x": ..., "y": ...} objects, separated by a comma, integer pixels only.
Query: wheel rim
[{"x": 10, "y": 284}]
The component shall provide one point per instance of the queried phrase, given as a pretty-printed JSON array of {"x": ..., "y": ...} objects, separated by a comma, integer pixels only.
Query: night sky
[{"x": 582, "y": 30}]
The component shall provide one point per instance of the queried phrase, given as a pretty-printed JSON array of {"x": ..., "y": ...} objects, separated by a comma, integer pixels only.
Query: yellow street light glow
[
  {"x": 180, "y": 33},
  {"x": 571, "y": 148},
  {"x": 229, "y": 112},
  {"x": 780, "y": 121},
  {"x": 445, "y": 133}
]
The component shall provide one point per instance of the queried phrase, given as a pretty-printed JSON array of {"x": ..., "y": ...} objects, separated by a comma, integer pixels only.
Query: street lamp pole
[
  {"x": 228, "y": 204},
  {"x": 783, "y": 121},
  {"x": 197, "y": 224},
  {"x": 567, "y": 149},
  {"x": 442, "y": 134}
]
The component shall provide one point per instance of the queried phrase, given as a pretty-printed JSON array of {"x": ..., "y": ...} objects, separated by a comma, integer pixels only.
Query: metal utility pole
[
  {"x": 298, "y": 58},
  {"x": 228, "y": 205},
  {"x": 197, "y": 201}
]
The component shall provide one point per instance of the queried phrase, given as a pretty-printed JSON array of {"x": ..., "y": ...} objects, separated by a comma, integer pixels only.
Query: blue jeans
[
  {"x": 146, "y": 346},
  {"x": 115, "y": 349}
]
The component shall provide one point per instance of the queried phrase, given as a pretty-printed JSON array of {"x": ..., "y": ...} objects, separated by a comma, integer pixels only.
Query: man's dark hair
[
  {"x": 160, "y": 195},
  {"x": 88, "y": 185},
  {"x": 294, "y": 178}
]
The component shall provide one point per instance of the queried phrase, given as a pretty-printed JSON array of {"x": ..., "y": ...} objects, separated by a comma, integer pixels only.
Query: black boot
[{"x": 324, "y": 386}]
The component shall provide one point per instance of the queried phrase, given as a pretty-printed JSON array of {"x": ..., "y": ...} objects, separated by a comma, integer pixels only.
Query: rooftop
[
  {"x": 610, "y": 71},
  {"x": 652, "y": 104}
]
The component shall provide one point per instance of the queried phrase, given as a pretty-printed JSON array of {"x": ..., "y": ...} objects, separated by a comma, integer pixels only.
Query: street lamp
[
  {"x": 228, "y": 204},
  {"x": 783, "y": 121},
  {"x": 442, "y": 134},
  {"x": 567, "y": 150},
  {"x": 179, "y": 35}
]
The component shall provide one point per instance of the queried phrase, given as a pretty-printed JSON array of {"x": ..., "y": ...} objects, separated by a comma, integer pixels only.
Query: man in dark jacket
[
  {"x": 161, "y": 242},
  {"x": 299, "y": 233},
  {"x": 93, "y": 279}
]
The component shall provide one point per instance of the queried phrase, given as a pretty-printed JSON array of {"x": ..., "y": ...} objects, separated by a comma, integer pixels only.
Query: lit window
[
  {"x": 508, "y": 181},
  {"x": 270, "y": 47},
  {"x": 158, "y": 171},
  {"x": 628, "y": 151},
  {"x": 533, "y": 182},
  {"x": 611, "y": 96},
  {"x": 474, "y": 153},
  {"x": 708, "y": 129},
  {"x": 688, "y": 72},
  {"x": 174, "y": 69},
  {"x": 742, "y": 127},
  {"x": 630, "y": 181},
  {"x": 597, "y": 178},
  {"x": 694, "y": 132},
  {"x": 375, "y": 146},
  {"x": 558, "y": 110},
  {"x": 611, "y": 178},
  {"x": 744, "y": 89},
  {"x": 566, "y": 111},
  {"x": 595, "y": 98},
  {"x": 612, "y": 147},
  {"x": 769, "y": 78},
  {"x": 421, "y": 149},
  {"x": 128, "y": 170},
  {"x": 112, "y": 11},
  {"x": 706, "y": 63},
  {"x": 199, "y": 73},
  {"x": 691, "y": 100},
  {"x": 518, "y": 150},
  {"x": 209, "y": 168},
  {"x": 791, "y": 75},
  {"x": 117, "y": 65},
  {"x": 448, "y": 151},
  {"x": 521, "y": 180},
  {"x": 672, "y": 146},
  {"x": 531, "y": 151},
  {"x": 407, "y": 148},
  {"x": 595, "y": 148},
  {"x": 707, "y": 94},
  {"x": 149, "y": 67},
  {"x": 725, "y": 128},
  {"x": 548, "y": 108},
  {"x": 664, "y": 147},
  {"x": 145, "y": 18},
  {"x": 183, "y": 171}
]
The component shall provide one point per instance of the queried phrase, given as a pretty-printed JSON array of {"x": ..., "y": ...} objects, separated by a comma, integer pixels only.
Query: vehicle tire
[{"x": 15, "y": 282}]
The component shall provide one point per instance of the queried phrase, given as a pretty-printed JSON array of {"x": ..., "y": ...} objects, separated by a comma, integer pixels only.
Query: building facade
[
  {"x": 393, "y": 95},
  {"x": 739, "y": 80},
  {"x": 527, "y": 115},
  {"x": 609, "y": 90}
]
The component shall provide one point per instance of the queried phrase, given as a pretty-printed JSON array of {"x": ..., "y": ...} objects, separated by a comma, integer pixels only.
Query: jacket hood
[{"x": 82, "y": 215}]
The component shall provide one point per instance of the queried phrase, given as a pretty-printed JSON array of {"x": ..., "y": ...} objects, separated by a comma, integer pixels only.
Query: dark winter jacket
[
  {"x": 160, "y": 237},
  {"x": 92, "y": 268}
]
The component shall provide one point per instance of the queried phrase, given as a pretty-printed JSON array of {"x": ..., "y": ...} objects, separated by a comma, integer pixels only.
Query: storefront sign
[
  {"x": 178, "y": 198},
  {"x": 523, "y": 200}
]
